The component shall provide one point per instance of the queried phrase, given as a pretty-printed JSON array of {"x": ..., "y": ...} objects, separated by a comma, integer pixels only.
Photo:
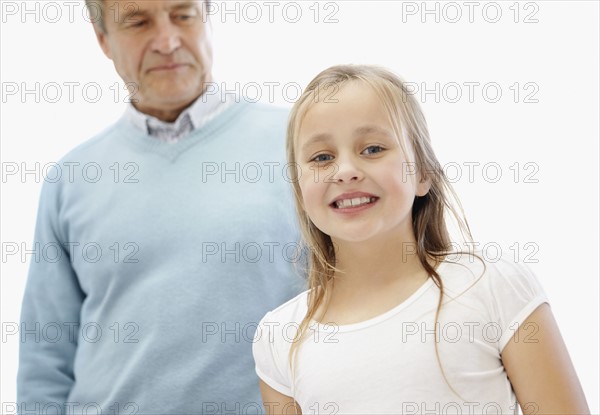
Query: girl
[{"x": 395, "y": 320}]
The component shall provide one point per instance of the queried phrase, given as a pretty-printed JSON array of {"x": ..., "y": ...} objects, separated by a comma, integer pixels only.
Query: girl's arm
[
  {"x": 276, "y": 403},
  {"x": 540, "y": 370}
]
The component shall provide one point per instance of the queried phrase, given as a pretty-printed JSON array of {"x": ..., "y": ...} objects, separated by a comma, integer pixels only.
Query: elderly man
[{"x": 166, "y": 261}]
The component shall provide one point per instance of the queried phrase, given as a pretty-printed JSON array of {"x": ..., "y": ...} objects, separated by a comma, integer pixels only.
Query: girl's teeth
[{"x": 357, "y": 201}]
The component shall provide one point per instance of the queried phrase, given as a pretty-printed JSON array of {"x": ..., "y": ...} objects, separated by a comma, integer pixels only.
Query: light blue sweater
[{"x": 156, "y": 262}]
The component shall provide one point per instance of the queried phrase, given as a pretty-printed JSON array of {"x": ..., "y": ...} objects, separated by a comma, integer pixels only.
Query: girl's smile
[{"x": 353, "y": 202}]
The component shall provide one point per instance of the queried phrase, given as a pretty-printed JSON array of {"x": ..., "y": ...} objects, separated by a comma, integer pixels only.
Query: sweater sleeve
[
  {"x": 515, "y": 293},
  {"x": 268, "y": 359},
  {"x": 50, "y": 311}
]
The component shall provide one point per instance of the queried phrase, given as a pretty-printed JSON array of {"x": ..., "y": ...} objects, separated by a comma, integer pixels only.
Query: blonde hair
[{"x": 428, "y": 212}]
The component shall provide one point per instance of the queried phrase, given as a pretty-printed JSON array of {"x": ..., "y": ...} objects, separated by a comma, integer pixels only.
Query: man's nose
[{"x": 166, "y": 37}]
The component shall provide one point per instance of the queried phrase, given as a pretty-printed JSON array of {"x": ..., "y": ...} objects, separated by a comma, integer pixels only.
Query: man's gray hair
[{"x": 96, "y": 12}]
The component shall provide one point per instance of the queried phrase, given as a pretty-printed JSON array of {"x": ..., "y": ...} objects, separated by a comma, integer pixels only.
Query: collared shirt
[{"x": 205, "y": 108}]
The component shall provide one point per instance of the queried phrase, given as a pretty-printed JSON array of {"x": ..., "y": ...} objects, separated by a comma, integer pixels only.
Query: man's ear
[{"x": 102, "y": 36}]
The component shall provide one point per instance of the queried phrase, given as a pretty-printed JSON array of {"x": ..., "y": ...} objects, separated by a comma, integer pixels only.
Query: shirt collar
[{"x": 199, "y": 111}]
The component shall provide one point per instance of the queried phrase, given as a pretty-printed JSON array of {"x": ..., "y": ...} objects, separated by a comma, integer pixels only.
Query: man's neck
[{"x": 171, "y": 114}]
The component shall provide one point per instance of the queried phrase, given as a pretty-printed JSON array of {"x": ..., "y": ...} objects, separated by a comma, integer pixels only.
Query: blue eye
[
  {"x": 372, "y": 150},
  {"x": 321, "y": 158}
]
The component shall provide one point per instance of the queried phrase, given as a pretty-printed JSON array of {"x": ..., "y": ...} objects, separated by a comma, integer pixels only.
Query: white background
[{"x": 558, "y": 134}]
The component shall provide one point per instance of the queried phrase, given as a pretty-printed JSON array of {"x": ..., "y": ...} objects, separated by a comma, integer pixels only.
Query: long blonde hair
[{"x": 428, "y": 212}]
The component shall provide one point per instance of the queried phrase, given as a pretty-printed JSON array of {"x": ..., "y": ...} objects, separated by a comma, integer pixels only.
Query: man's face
[{"x": 162, "y": 49}]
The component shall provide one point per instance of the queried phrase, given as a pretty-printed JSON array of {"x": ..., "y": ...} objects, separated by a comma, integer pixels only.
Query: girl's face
[{"x": 357, "y": 184}]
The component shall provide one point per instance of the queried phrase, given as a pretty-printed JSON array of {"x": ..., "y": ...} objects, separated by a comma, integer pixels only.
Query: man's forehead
[{"x": 151, "y": 5}]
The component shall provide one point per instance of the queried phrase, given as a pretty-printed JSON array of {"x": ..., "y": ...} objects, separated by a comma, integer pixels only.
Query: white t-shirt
[{"x": 388, "y": 364}]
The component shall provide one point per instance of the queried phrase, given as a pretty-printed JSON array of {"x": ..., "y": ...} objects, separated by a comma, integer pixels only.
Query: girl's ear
[{"x": 423, "y": 186}]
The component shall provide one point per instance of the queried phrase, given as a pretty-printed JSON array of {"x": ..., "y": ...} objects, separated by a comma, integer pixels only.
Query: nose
[
  {"x": 347, "y": 170},
  {"x": 167, "y": 38}
]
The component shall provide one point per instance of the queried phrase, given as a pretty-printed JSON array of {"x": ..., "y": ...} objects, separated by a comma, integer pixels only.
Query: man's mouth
[
  {"x": 354, "y": 202},
  {"x": 167, "y": 67}
]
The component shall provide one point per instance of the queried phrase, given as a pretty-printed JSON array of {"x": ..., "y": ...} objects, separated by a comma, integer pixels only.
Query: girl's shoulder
[
  {"x": 504, "y": 291},
  {"x": 273, "y": 339},
  {"x": 495, "y": 275},
  {"x": 292, "y": 311}
]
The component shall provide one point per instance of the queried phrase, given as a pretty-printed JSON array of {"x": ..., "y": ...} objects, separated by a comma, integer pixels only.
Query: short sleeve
[
  {"x": 269, "y": 359},
  {"x": 516, "y": 293}
]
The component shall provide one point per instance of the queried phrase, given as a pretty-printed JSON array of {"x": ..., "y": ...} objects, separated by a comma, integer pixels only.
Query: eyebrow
[
  {"x": 184, "y": 5},
  {"x": 136, "y": 12},
  {"x": 316, "y": 138},
  {"x": 131, "y": 14},
  {"x": 372, "y": 129},
  {"x": 363, "y": 130}
]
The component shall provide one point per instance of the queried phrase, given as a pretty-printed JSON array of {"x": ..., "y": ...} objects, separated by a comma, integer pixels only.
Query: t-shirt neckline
[{"x": 325, "y": 327}]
